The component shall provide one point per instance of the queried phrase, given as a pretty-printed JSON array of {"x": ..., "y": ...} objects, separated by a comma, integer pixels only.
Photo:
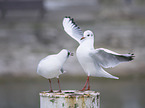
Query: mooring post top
[
  {"x": 70, "y": 94},
  {"x": 70, "y": 99}
]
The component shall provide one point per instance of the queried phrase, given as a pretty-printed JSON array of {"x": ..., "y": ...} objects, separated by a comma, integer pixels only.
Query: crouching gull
[
  {"x": 52, "y": 66},
  {"x": 93, "y": 60}
]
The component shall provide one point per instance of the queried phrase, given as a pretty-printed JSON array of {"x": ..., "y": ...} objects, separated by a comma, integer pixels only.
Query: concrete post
[{"x": 70, "y": 99}]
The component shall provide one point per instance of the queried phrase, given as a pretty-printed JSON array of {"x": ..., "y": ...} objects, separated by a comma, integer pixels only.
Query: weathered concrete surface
[{"x": 70, "y": 99}]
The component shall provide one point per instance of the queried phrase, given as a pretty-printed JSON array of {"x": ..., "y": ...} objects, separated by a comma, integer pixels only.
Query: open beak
[
  {"x": 71, "y": 54},
  {"x": 82, "y": 38}
]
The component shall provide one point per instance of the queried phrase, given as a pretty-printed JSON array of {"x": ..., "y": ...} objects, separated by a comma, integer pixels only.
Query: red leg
[
  {"x": 50, "y": 86},
  {"x": 84, "y": 88},
  {"x": 59, "y": 85},
  {"x": 88, "y": 83}
]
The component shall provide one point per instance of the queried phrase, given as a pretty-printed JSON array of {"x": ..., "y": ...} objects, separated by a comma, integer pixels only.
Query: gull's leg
[
  {"x": 50, "y": 86},
  {"x": 84, "y": 88},
  {"x": 88, "y": 83},
  {"x": 59, "y": 85}
]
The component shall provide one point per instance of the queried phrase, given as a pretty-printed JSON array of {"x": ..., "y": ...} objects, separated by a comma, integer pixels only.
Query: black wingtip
[
  {"x": 125, "y": 57},
  {"x": 131, "y": 57},
  {"x": 131, "y": 54},
  {"x": 70, "y": 19}
]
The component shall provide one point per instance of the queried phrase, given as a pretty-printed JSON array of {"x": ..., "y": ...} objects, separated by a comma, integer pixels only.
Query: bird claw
[{"x": 72, "y": 54}]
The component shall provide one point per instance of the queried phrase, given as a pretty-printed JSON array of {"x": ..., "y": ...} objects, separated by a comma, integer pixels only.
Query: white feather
[
  {"x": 51, "y": 66},
  {"x": 72, "y": 29}
]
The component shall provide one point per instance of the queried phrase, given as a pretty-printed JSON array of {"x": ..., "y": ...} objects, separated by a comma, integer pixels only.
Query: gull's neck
[{"x": 88, "y": 43}]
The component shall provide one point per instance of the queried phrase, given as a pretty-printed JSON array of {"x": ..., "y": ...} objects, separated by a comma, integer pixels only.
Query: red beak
[{"x": 82, "y": 38}]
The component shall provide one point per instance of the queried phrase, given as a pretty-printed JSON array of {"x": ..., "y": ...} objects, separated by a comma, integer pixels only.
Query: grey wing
[
  {"x": 107, "y": 58},
  {"x": 72, "y": 29}
]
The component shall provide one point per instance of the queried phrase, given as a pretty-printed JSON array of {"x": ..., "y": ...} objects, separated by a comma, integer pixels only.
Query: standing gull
[
  {"x": 92, "y": 60},
  {"x": 52, "y": 66}
]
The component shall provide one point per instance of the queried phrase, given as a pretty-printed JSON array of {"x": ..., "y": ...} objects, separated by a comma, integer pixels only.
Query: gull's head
[
  {"x": 66, "y": 53},
  {"x": 88, "y": 35}
]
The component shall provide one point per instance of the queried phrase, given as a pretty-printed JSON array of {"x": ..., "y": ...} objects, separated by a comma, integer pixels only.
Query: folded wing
[
  {"x": 107, "y": 58},
  {"x": 72, "y": 29}
]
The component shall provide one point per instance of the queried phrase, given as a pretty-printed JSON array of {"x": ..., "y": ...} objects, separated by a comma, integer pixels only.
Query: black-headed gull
[
  {"x": 52, "y": 66},
  {"x": 92, "y": 60}
]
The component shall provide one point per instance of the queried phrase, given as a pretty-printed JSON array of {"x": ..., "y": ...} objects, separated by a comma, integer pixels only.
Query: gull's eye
[{"x": 88, "y": 35}]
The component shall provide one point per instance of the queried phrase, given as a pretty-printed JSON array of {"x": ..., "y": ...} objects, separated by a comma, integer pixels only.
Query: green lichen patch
[
  {"x": 52, "y": 100},
  {"x": 76, "y": 105},
  {"x": 62, "y": 104},
  {"x": 93, "y": 100}
]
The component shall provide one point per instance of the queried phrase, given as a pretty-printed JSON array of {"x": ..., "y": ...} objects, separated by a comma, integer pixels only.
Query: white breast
[{"x": 84, "y": 58}]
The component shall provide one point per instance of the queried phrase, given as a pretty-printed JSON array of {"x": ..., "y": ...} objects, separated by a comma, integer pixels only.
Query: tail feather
[
  {"x": 100, "y": 72},
  {"x": 108, "y": 75}
]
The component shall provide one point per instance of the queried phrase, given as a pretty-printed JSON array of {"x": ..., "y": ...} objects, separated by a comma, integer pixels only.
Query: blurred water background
[{"x": 31, "y": 30}]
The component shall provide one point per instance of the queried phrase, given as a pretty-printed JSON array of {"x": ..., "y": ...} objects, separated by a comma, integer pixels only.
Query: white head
[
  {"x": 88, "y": 35},
  {"x": 66, "y": 53}
]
